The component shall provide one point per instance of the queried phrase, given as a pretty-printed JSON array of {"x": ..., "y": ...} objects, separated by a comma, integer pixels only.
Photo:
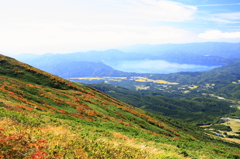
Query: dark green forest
[{"x": 197, "y": 110}]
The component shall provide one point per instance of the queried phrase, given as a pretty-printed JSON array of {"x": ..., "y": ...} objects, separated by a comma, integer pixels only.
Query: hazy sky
[{"x": 61, "y": 26}]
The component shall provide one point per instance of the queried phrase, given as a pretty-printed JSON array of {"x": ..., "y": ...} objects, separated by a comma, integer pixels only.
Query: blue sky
[{"x": 64, "y": 26}]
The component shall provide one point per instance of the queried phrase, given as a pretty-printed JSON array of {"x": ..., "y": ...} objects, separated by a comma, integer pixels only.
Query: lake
[{"x": 156, "y": 66}]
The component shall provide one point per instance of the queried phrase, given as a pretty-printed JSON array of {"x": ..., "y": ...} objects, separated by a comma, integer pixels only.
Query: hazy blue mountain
[
  {"x": 80, "y": 69},
  {"x": 71, "y": 69},
  {"x": 217, "y": 52},
  {"x": 210, "y": 52},
  {"x": 92, "y": 56},
  {"x": 72, "y": 64},
  {"x": 221, "y": 49}
]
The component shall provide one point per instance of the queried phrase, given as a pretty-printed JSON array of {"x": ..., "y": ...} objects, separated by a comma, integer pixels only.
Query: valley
[
  {"x": 45, "y": 116},
  {"x": 228, "y": 130},
  {"x": 144, "y": 83},
  {"x": 185, "y": 91},
  {"x": 147, "y": 84},
  {"x": 154, "y": 87}
]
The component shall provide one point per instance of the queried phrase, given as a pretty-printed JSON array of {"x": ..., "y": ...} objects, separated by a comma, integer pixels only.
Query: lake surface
[{"x": 156, "y": 66}]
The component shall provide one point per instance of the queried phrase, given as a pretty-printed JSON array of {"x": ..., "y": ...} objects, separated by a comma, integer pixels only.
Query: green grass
[{"x": 55, "y": 118}]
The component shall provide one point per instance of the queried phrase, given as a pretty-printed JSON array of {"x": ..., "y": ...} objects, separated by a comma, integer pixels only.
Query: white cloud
[
  {"x": 230, "y": 16},
  {"x": 225, "y": 18},
  {"x": 70, "y": 25},
  {"x": 218, "y": 20},
  {"x": 217, "y": 34},
  {"x": 152, "y": 10},
  {"x": 56, "y": 38},
  {"x": 210, "y": 5}
]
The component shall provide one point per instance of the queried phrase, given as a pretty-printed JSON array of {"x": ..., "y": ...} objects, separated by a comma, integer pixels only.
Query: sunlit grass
[
  {"x": 235, "y": 125},
  {"x": 135, "y": 78},
  {"x": 193, "y": 87}
]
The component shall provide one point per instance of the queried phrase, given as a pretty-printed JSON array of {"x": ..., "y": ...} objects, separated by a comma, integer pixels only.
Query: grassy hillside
[{"x": 44, "y": 116}]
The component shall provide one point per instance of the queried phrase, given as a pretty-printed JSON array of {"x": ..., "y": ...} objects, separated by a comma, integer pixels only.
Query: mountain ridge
[{"x": 222, "y": 49}]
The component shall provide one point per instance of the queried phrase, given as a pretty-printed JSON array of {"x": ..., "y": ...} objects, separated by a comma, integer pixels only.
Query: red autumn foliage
[
  {"x": 39, "y": 155},
  {"x": 20, "y": 106}
]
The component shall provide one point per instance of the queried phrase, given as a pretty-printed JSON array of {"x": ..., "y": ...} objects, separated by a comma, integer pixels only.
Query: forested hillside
[
  {"x": 197, "y": 110},
  {"x": 45, "y": 116},
  {"x": 225, "y": 79},
  {"x": 221, "y": 75}
]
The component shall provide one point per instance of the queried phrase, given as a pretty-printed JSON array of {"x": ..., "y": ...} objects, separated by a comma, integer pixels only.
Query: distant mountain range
[
  {"x": 205, "y": 52},
  {"x": 92, "y": 63},
  {"x": 70, "y": 69}
]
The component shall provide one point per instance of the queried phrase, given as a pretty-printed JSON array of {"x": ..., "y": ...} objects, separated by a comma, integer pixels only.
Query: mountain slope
[
  {"x": 45, "y": 116},
  {"x": 225, "y": 79},
  {"x": 221, "y": 75}
]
